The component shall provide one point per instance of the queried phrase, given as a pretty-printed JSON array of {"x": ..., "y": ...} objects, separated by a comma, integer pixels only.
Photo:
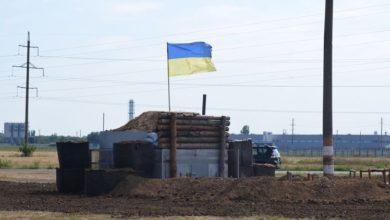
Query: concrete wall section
[
  {"x": 190, "y": 162},
  {"x": 108, "y": 138}
]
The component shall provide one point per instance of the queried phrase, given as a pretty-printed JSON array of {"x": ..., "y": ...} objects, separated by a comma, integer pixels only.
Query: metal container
[
  {"x": 70, "y": 180},
  {"x": 73, "y": 155},
  {"x": 107, "y": 139}
]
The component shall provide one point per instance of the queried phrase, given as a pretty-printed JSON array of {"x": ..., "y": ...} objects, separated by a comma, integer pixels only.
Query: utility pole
[
  {"x": 131, "y": 109},
  {"x": 27, "y": 91},
  {"x": 103, "y": 120},
  {"x": 292, "y": 131},
  {"x": 381, "y": 141},
  {"x": 327, "y": 117},
  {"x": 27, "y": 66}
]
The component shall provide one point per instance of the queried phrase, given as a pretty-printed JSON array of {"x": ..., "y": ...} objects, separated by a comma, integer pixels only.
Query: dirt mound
[
  {"x": 137, "y": 197},
  {"x": 148, "y": 121},
  {"x": 256, "y": 189}
]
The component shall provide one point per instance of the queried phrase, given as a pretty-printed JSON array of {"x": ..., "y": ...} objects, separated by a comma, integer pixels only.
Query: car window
[{"x": 254, "y": 151}]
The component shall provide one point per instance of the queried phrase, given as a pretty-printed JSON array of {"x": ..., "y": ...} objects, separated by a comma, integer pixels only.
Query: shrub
[
  {"x": 5, "y": 163},
  {"x": 27, "y": 150}
]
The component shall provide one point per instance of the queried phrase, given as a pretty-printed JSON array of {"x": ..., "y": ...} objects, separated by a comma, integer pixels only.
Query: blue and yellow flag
[{"x": 189, "y": 58}]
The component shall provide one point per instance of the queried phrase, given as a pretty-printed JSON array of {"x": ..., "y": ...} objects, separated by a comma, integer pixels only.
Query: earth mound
[
  {"x": 254, "y": 189},
  {"x": 148, "y": 121}
]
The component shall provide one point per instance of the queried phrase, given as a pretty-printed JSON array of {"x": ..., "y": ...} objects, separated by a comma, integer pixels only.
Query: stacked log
[{"x": 193, "y": 131}]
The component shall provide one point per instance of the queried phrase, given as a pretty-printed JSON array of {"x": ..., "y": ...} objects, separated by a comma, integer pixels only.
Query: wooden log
[
  {"x": 194, "y": 122},
  {"x": 196, "y": 117},
  {"x": 178, "y": 114},
  {"x": 289, "y": 176},
  {"x": 389, "y": 176},
  {"x": 191, "y": 140},
  {"x": 166, "y": 133},
  {"x": 369, "y": 174},
  {"x": 222, "y": 147},
  {"x": 172, "y": 152},
  {"x": 376, "y": 170},
  {"x": 190, "y": 128},
  {"x": 191, "y": 145}
]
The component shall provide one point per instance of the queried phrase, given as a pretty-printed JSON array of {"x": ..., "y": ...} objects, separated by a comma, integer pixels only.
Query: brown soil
[
  {"x": 147, "y": 121},
  {"x": 321, "y": 198}
]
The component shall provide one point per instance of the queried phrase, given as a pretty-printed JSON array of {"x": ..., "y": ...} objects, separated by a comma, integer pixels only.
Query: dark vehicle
[{"x": 266, "y": 153}]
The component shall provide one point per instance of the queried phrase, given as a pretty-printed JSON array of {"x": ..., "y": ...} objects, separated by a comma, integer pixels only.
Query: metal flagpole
[{"x": 169, "y": 85}]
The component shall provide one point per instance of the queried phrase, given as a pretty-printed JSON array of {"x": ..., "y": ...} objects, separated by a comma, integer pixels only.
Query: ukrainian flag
[{"x": 189, "y": 58}]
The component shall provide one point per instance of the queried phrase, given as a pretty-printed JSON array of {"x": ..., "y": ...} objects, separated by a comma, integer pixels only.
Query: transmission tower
[{"x": 28, "y": 66}]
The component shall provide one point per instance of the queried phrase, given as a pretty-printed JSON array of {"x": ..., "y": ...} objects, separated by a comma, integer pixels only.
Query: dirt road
[{"x": 28, "y": 175}]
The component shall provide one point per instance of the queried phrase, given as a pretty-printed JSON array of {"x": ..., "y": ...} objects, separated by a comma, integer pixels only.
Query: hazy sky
[{"x": 99, "y": 54}]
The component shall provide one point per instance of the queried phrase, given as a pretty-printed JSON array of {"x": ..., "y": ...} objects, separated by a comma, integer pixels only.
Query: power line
[
  {"x": 237, "y": 84},
  {"x": 217, "y": 108},
  {"x": 158, "y": 58},
  {"x": 267, "y": 21}
]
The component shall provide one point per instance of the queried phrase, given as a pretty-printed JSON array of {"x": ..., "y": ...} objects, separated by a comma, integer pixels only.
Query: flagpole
[{"x": 169, "y": 84}]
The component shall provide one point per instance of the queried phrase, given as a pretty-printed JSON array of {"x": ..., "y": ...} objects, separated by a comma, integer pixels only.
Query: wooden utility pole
[{"x": 327, "y": 118}]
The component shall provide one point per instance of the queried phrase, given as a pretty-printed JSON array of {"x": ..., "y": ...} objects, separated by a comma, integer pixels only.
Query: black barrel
[
  {"x": 70, "y": 180},
  {"x": 73, "y": 155},
  {"x": 137, "y": 155}
]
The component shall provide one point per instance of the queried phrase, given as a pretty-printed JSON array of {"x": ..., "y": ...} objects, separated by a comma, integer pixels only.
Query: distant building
[
  {"x": 14, "y": 132},
  {"x": 312, "y": 141}
]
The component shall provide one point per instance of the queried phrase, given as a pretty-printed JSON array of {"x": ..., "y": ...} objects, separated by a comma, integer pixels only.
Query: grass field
[
  {"x": 341, "y": 163},
  {"x": 43, "y": 158},
  {"x": 46, "y": 158}
]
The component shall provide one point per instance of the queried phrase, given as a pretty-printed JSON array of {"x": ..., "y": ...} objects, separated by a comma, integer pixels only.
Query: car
[{"x": 266, "y": 153}]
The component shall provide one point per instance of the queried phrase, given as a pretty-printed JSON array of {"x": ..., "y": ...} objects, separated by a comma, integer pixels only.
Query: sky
[{"x": 97, "y": 55}]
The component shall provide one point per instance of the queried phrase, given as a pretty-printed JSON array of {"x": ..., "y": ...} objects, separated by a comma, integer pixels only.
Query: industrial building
[
  {"x": 14, "y": 133},
  {"x": 314, "y": 141}
]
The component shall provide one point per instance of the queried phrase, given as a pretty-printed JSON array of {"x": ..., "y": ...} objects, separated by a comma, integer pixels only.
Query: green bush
[
  {"x": 27, "y": 150},
  {"x": 5, "y": 163}
]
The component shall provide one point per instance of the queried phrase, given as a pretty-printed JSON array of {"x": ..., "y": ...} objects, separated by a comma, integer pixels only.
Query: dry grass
[
  {"x": 46, "y": 158},
  {"x": 341, "y": 163},
  {"x": 57, "y": 215},
  {"x": 41, "y": 159}
]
